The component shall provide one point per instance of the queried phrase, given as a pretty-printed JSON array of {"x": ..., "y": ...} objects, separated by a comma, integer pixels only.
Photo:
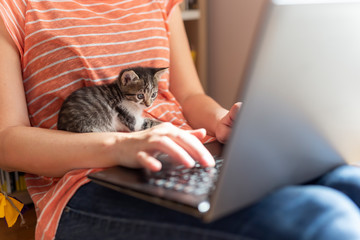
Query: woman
[{"x": 50, "y": 48}]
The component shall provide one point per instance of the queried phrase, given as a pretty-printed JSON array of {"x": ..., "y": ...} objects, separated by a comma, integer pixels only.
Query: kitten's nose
[{"x": 147, "y": 103}]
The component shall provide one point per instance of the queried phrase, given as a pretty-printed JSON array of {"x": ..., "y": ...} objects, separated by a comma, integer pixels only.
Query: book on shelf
[{"x": 12, "y": 181}]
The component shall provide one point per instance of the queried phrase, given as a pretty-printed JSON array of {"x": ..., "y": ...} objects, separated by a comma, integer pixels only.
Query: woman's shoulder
[{"x": 12, "y": 13}]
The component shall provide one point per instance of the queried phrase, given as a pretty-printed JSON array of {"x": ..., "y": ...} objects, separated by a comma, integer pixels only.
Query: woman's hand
[
  {"x": 184, "y": 146},
  {"x": 223, "y": 127}
]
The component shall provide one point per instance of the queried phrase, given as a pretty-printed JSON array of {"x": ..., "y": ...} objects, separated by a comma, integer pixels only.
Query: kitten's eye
[
  {"x": 140, "y": 96},
  {"x": 154, "y": 95}
]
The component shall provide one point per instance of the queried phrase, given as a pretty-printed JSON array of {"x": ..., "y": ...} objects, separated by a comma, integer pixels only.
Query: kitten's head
[{"x": 140, "y": 85}]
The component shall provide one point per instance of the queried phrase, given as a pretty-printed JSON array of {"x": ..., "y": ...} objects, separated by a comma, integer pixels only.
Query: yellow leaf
[
  {"x": 2, "y": 205},
  {"x": 8, "y": 210}
]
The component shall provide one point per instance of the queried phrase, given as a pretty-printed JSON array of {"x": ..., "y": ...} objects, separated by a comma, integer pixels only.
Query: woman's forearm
[
  {"x": 199, "y": 109},
  {"x": 52, "y": 152},
  {"x": 202, "y": 111}
]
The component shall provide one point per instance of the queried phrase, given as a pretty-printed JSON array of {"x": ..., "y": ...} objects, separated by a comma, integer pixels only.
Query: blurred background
[{"x": 220, "y": 35}]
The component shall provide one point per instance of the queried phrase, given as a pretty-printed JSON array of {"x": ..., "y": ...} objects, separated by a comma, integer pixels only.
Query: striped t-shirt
[{"x": 68, "y": 44}]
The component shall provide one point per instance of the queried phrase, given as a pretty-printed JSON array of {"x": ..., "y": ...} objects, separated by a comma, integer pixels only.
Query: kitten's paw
[{"x": 149, "y": 123}]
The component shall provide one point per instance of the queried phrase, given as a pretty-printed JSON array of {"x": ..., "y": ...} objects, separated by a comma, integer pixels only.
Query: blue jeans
[{"x": 325, "y": 209}]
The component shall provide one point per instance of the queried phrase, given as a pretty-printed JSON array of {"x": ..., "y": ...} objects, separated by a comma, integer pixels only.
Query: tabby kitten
[{"x": 114, "y": 107}]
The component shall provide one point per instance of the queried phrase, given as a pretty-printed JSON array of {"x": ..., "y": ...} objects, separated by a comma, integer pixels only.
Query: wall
[{"x": 231, "y": 27}]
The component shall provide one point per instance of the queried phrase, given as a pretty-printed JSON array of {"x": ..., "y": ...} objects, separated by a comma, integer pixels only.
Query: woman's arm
[
  {"x": 199, "y": 109},
  {"x": 53, "y": 153}
]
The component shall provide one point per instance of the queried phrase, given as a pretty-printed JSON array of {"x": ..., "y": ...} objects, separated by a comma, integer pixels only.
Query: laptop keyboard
[{"x": 197, "y": 180}]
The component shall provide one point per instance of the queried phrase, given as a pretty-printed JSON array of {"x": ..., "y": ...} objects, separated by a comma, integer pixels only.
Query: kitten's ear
[
  {"x": 160, "y": 72},
  {"x": 128, "y": 77}
]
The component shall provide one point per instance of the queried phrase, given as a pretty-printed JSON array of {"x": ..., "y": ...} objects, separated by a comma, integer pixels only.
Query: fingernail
[
  {"x": 210, "y": 160},
  {"x": 192, "y": 163}
]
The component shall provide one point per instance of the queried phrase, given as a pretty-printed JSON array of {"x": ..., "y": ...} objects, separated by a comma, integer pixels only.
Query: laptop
[{"x": 300, "y": 116}]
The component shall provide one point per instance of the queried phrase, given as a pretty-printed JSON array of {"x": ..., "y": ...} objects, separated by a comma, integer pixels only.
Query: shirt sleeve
[
  {"x": 12, "y": 12},
  {"x": 170, "y": 6}
]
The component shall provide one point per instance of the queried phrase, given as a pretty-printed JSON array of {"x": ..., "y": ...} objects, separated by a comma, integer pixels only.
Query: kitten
[{"x": 114, "y": 107}]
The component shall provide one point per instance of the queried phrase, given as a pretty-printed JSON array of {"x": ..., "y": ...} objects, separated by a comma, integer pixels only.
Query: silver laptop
[{"x": 300, "y": 115}]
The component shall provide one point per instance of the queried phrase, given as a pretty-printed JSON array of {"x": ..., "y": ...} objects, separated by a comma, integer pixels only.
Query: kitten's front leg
[{"x": 148, "y": 123}]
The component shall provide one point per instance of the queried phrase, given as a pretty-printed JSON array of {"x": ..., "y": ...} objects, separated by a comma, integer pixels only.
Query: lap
[
  {"x": 345, "y": 179},
  {"x": 293, "y": 212},
  {"x": 96, "y": 212}
]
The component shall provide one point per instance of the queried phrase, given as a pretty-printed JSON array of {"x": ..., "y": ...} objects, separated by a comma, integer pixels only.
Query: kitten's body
[{"x": 112, "y": 107}]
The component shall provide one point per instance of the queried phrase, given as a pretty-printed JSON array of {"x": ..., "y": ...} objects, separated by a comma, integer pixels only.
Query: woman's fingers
[
  {"x": 176, "y": 151},
  {"x": 165, "y": 145},
  {"x": 183, "y": 146},
  {"x": 224, "y": 126},
  {"x": 191, "y": 143},
  {"x": 148, "y": 161},
  {"x": 233, "y": 113}
]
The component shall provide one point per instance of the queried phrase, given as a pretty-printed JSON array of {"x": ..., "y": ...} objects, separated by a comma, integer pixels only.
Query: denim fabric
[{"x": 326, "y": 209}]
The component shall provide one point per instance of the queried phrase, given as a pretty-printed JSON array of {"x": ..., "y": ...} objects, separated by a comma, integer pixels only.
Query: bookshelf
[{"x": 194, "y": 16}]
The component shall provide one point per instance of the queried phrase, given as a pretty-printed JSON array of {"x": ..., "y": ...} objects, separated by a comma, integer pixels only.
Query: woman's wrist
[{"x": 201, "y": 111}]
